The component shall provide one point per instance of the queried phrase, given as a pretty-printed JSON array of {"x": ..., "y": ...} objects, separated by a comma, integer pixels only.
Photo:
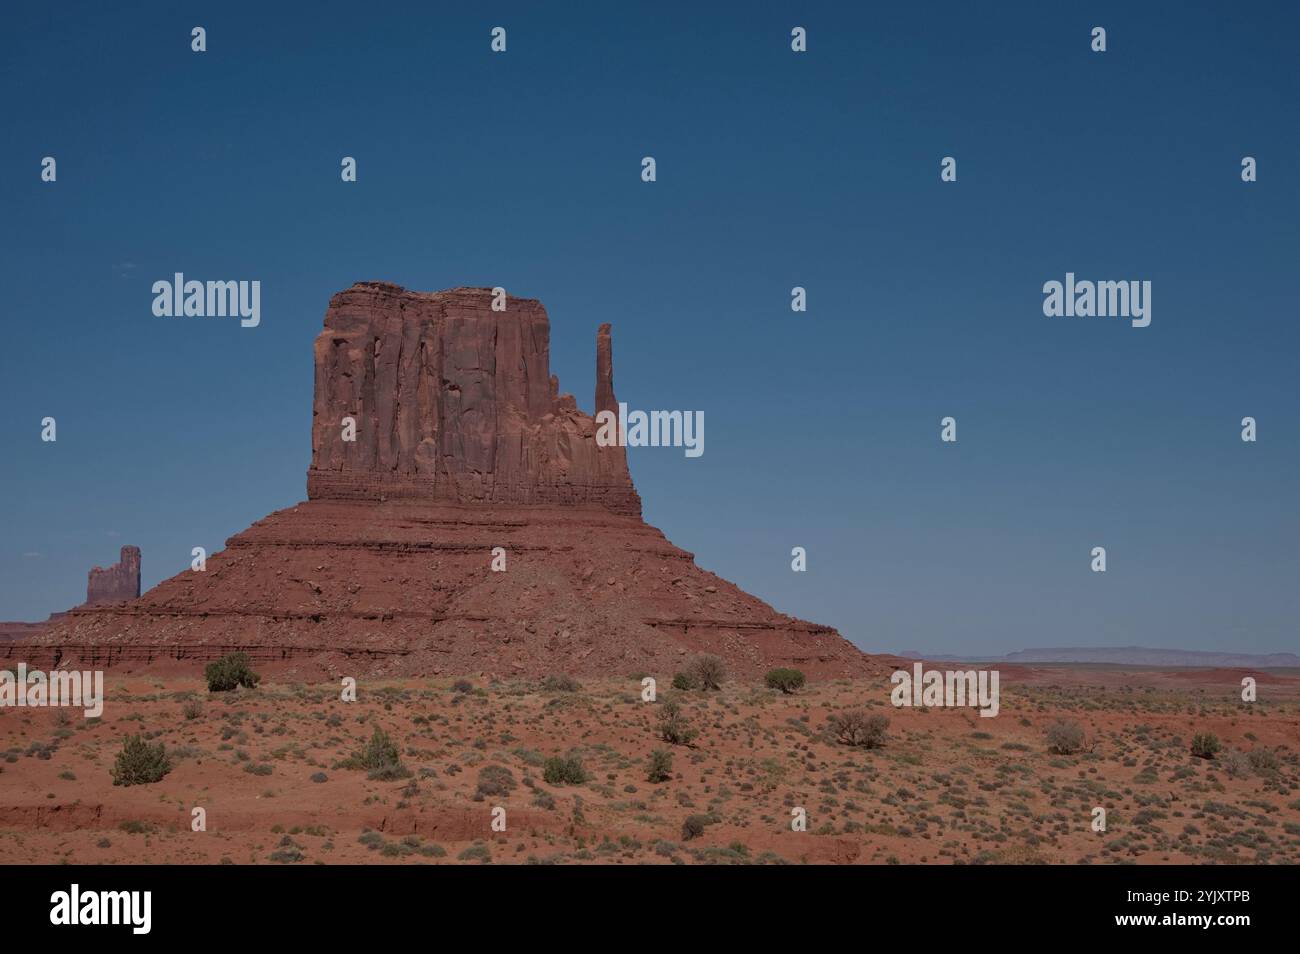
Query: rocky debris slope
[{"x": 465, "y": 456}]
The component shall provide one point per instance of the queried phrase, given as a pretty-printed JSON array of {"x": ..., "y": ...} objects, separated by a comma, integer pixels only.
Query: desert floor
[{"x": 946, "y": 787}]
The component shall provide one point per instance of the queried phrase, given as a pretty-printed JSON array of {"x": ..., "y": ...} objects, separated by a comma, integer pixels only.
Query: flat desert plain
[{"x": 270, "y": 769}]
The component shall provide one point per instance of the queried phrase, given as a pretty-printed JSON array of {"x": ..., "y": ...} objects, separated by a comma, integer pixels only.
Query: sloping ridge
[{"x": 461, "y": 445}]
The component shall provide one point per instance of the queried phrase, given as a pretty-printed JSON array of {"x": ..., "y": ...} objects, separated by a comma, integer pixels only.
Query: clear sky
[{"x": 775, "y": 169}]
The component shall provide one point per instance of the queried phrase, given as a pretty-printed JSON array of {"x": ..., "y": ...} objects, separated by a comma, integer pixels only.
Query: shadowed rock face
[
  {"x": 463, "y": 445},
  {"x": 454, "y": 402}
]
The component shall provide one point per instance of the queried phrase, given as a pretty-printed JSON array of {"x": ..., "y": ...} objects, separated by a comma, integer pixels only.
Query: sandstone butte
[
  {"x": 114, "y": 584},
  {"x": 463, "y": 443}
]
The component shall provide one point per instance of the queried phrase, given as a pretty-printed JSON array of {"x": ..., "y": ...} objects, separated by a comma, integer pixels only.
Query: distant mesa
[
  {"x": 1130, "y": 656},
  {"x": 118, "y": 583},
  {"x": 462, "y": 443}
]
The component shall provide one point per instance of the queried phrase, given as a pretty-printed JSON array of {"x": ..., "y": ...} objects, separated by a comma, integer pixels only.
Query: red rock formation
[
  {"x": 463, "y": 444},
  {"x": 117, "y": 583},
  {"x": 453, "y": 402}
]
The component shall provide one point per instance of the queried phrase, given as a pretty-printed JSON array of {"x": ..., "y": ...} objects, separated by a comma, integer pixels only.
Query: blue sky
[{"x": 774, "y": 170}]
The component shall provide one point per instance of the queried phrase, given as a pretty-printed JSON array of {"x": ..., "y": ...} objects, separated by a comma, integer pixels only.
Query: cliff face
[
  {"x": 464, "y": 450},
  {"x": 454, "y": 402},
  {"x": 117, "y": 583}
]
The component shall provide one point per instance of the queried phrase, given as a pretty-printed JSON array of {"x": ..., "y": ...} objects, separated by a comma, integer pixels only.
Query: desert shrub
[
  {"x": 476, "y": 852},
  {"x": 1263, "y": 761},
  {"x": 380, "y": 757},
  {"x": 685, "y": 682},
  {"x": 230, "y": 672},
  {"x": 560, "y": 770},
  {"x": 1065, "y": 737},
  {"x": 787, "y": 680},
  {"x": 140, "y": 763},
  {"x": 319, "y": 777},
  {"x": 389, "y": 772},
  {"x": 561, "y": 683},
  {"x": 674, "y": 727},
  {"x": 708, "y": 671},
  {"x": 694, "y": 826},
  {"x": 463, "y": 685},
  {"x": 192, "y": 709},
  {"x": 660, "y": 767},
  {"x": 1235, "y": 763},
  {"x": 495, "y": 780},
  {"x": 857, "y": 727},
  {"x": 1205, "y": 745}
]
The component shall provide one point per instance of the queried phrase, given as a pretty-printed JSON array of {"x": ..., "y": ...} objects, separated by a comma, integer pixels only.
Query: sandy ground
[{"x": 947, "y": 786}]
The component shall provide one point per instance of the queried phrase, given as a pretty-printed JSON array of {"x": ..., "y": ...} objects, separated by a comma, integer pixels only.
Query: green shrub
[
  {"x": 685, "y": 682},
  {"x": 674, "y": 727},
  {"x": 1205, "y": 745},
  {"x": 564, "y": 771},
  {"x": 1065, "y": 737},
  {"x": 140, "y": 763},
  {"x": 787, "y": 680},
  {"x": 660, "y": 768},
  {"x": 380, "y": 757},
  {"x": 856, "y": 727},
  {"x": 230, "y": 672},
  {"x": 192, "y": 709}
]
